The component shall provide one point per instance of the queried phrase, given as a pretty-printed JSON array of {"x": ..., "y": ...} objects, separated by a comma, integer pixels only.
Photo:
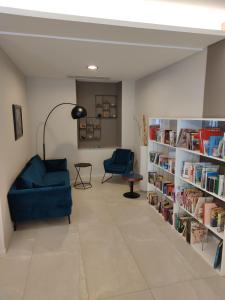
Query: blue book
[
  {"x": 213, "y": 144},
  {"x": 218, "y": 256}
]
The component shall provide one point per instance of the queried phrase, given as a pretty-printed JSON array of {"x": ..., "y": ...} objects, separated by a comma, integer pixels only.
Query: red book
[
  {"x": 152, "y": 131},
  {"x": 205, "y": 133}
]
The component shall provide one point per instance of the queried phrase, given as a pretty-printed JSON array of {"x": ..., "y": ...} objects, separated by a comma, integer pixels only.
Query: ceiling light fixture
[{"x": 92, "y": 67}]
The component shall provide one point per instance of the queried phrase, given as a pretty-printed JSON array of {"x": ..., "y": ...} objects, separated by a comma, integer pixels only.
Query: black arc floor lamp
[{"x": 76, "y": 113}]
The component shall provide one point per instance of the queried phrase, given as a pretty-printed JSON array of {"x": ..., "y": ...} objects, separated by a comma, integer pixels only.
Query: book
[
  {"x": 198, "y": 172},
  {"x": 208, "y": 170},
  {"x": 167, "y": 163},
  {"x": 221, "y": 221},
  {"x": 187, "y": 170},
  {"x": 195, "y": 146},
  {"x": 167, "y": 136},
  {"x": 211, "y": 183},
  {"x": 153, "y": 198},
  {"x": 207, "y": 207},
  {"x": 213, "y": 145},
  {"x": 199, "y": 209},
  {"x": 215, "y": 212},
  {"x": 185, "y": 138},
  {"x": 198, "y": 233},
  {"x": 154, "y": 157},
  {"x": 153, "y": 131},
  {"x": 173, "y": 137},
  {"x": 152, "y": 177},
  {"x": 220, "y": 185},
  {"x": 218, "y": 255},
  {"x": 204, "y": 134},
  {"x": 188, "y": 198}
]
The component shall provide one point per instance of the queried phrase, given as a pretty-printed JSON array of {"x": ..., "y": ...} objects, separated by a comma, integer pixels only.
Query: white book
[{"x": 221, "y": 185}]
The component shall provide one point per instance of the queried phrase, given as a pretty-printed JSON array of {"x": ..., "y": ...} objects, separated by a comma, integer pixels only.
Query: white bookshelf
[
  {"x": 163, "y": 169},
  {"x": 181, "y": 155}
]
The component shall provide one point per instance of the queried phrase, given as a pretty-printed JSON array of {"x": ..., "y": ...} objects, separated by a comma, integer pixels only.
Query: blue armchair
[{"x": 120, "y": 163}]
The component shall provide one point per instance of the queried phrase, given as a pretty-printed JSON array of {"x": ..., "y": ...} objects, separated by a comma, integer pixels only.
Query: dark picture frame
[{"x": 18, "y": 121}]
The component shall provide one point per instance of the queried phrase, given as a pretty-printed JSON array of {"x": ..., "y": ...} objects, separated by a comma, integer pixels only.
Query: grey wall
[
  {"x": 214, "y": 99},
  {"x": 110, "y": 128}
]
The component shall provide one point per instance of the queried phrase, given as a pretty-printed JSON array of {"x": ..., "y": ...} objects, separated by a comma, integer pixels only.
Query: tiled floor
[{"x": 115, "y": 249}]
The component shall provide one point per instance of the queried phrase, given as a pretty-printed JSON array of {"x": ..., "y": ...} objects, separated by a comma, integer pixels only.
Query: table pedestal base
[{"x": 131, "y": 194}]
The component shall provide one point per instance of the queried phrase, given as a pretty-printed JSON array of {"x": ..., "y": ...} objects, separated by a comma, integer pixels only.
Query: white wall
[
  {"x": 214, "y": 85},
  {"x": 177, "y": 91},
  {"x": 14, "y": 154},
  {"x": 128, "y": 104},
  {"x": 61, "y": 133}
]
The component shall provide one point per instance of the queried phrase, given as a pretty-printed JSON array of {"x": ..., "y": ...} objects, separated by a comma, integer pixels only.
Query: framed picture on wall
[{"x": 18, "y": 121}]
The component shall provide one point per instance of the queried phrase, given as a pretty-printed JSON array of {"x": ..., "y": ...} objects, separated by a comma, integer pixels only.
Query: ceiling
[
  {"x": 57, "y": 48},
  {"x": 205, "y": 3}
]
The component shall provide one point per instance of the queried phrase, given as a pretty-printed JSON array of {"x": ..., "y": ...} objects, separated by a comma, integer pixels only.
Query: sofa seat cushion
[
  {"x": 44, "y": 185},
  {"x": 116, "y": 168},
  {"x": 53, "y": 178}
]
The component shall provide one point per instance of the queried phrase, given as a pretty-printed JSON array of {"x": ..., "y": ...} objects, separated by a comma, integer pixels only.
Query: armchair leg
[
  {"x": 69, "y": 219},
  {"x": 14, "y": 226},
  {"x": 104, "y": 180}
]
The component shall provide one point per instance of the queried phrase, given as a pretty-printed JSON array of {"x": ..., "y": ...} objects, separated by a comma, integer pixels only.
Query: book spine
[{"x": 221, "y": 185}]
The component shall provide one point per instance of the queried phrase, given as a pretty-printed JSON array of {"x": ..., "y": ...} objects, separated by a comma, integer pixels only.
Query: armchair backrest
[{"x": 122, "y": 156}]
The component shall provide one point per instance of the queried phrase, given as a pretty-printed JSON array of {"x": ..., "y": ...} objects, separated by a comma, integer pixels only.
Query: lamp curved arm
[{"x": 60, "y": 104}]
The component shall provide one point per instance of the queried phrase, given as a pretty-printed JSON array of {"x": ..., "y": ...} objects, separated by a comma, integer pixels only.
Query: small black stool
[{"x": 82, "y": 184}]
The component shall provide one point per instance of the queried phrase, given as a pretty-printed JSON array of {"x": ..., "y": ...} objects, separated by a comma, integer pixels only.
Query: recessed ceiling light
[{"x": 92, "y": 67}]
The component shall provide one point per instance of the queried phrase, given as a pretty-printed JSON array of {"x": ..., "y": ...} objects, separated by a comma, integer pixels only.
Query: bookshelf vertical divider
[{"x": 181, "y": 155}]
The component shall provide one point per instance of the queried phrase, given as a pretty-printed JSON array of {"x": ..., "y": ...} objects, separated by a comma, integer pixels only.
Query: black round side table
[{"x": 82, "y": 184}]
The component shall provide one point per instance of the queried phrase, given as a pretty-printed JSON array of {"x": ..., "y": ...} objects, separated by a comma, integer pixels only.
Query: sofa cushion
[
  {"x": 56, "y": 177},
  {"x": 54, "y": 165},
  {"x": 32, "y": 173},
  {"x": 122, "y": 156},
  {"x": 38, "y": 165},
  {"x": 37, "y": 185},
  {"x": 26, "y": 178}
]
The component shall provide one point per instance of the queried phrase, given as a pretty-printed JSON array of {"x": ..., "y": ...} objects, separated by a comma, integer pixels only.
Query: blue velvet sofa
[
  {"x": 121, "y": 163},
  {"x": 42, "y": 190}
]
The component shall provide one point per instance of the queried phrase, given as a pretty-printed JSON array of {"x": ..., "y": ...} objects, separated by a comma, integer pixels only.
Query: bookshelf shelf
[
  {"x": 206, "y": 254},
  {"x": 208, "y": 251},
  {"x": 163, "y": 144},
  {"x": 163, "y": 169},
  {"x": 162, "y": 134},
  {"x": 161, "y": 192},
  {"x": 202, "y": 189},
  {"x": 201, "y": 154},
  {"x": 212, "y": 229}
]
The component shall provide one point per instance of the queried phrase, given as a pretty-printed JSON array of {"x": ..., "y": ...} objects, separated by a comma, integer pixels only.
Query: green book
[{"x": 217, "y": 185}]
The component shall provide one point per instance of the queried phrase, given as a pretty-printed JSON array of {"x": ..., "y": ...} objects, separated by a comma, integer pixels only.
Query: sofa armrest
[
  {"x": 47, "y": 197},
  {"x": 54, "y": 165},
  {"x": 107, "y": 162}
]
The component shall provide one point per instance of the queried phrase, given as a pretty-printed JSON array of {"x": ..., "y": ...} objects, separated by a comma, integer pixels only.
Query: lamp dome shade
[{"x": 78, "y": 112}]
